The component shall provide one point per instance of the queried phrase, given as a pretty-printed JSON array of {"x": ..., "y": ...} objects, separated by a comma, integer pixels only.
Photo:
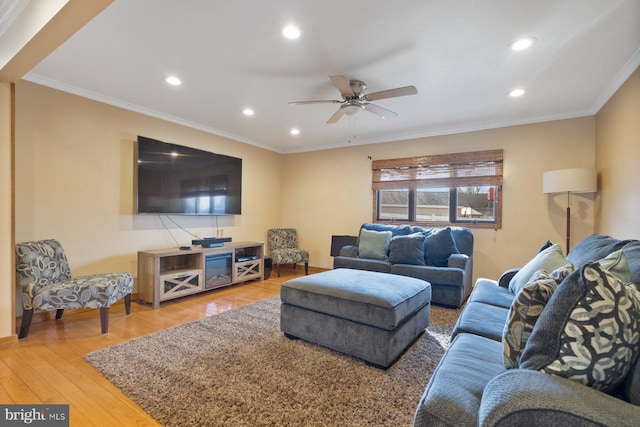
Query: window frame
[{"x": 452, "y": 171}]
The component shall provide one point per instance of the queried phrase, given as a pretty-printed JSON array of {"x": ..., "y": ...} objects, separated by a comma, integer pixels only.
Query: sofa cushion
[
  {"x": 440, "y": 275},
  {"x": 526, "y": 309},
  {"x": 631, "y": 385},
  {"x": 616, "y": 264},
  {"x": 407, "y": 249},
  {"x": 374, "y": 244},
  {"x": 361, "y": 264},
  {"x": 464, "y": 239},
  {"x": 488, "y": 291},
  {"x": 632, "y": 252},
  {"x": 589, "y": 331},
  {"x": 454, "y": 392},
  {"x": 438, "y": 246},
  {"x": 396, "y": 230},
  {"x": 482, "y": 319},
  {"x": 592, "y": 248},
  {"x": 548, "y": 259}
]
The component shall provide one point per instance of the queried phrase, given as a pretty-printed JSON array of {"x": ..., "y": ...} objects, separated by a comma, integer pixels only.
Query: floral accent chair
[
  {"x": 45, "y": 281},
  {"x": 283, "y": 247}
]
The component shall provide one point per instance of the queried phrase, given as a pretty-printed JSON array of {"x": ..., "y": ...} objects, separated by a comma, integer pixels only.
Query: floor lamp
[{"x": 578, "y": 180}]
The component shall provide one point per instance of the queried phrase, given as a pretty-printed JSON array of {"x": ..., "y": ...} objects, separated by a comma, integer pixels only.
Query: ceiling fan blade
[
  {"x": 342, "y": 84},
  {"x": 391, "y": 93},
  {"x": 336, "y": 116},
  {"x": 325, "y": 101},
  {"x": 382, "y": 112}
]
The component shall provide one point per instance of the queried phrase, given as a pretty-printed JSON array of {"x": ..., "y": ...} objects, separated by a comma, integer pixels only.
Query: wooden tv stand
[{"x": 164, "y": 274}]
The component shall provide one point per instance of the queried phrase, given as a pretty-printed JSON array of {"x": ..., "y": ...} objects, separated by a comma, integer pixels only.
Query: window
[{"x": 463, "y": 188}]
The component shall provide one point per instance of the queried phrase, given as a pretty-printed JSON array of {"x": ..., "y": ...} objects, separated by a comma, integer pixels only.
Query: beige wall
[
  {"x": 6, "y": 213},
  {"x": 74, "y": 181},
  {"x": 329, "y": 192},
  {"x": 617, "y": 158}
]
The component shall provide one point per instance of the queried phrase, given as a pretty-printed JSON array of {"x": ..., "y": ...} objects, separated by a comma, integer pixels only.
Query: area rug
[{"x": 238, "y": 369}]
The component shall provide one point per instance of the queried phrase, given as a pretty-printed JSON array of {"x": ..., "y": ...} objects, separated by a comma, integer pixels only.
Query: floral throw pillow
[
  {"x": 589, "y": 331},
  {"x": 525, "y": 311}
]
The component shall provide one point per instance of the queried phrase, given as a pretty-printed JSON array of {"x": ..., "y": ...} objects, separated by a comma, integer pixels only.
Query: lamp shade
[{"x": 578, "y": 180}]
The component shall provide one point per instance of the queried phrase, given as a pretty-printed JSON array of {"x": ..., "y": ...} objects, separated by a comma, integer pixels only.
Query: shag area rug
[{"x": 238, "y": 369}]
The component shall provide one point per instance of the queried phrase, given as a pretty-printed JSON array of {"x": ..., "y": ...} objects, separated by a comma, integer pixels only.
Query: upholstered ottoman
[{"x": 369, "y": 315}]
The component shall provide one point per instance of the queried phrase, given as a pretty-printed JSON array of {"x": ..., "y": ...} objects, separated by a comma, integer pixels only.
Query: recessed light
[
  {"x": 294, "y": 131},
  {"x": 248, "y": 112},
  {"x": 173, "y": 80},
  {"x": 517, "y": 92},
  {"x": 523, "y": 43},
  {"x": 291, "y": 32}
]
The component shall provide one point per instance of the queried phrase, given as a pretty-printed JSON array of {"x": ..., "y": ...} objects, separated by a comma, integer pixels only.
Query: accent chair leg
[
  {"x": 59, "y": 313},
  {"x": 27, "y": 315},
  {"x": 294, "y": 266},
  {"x": 306, "y": 268},
  {"x": 279, "y": 269},
  {"x": 127, "y": 304},
  {"x": 104, "y": 319}
]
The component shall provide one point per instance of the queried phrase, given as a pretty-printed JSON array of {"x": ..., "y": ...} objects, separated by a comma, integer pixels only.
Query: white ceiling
[{"x": 231, "y": 55}]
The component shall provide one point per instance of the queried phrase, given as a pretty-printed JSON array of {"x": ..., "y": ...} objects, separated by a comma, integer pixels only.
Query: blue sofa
[
  {"x": 441, "y": 256},
  {"x": 472, "y": 385}
]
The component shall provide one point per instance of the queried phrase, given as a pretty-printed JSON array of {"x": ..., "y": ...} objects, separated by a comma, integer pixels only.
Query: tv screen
[{"x": 173, "y": 179}]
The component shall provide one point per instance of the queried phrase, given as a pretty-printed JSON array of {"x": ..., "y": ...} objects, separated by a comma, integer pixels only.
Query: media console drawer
[
  {"x": 165, "y": 274},
  {"x": 184, "y": 282}
]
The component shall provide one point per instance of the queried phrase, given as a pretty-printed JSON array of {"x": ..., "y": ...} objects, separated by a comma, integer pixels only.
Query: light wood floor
[{"x": 48, "y": 366}]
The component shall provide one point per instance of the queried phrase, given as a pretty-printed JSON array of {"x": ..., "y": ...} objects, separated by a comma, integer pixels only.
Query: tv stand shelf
[{"x": 164, "y": 274}]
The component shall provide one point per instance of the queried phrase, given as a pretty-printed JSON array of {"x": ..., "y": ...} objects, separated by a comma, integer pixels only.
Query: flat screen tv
[{"x": 174, "y": 179}]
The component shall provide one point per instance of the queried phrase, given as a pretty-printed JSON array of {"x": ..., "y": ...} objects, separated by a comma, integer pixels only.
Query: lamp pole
[
  {"x": 577, "y": 180},
  {"x": 568, "y": 221}
]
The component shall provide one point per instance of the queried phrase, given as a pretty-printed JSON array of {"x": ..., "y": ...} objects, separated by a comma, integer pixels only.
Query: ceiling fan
[{"x": 354, "y": 98}]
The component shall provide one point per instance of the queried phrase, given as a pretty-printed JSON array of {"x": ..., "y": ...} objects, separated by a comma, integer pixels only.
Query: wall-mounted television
[{"x": 174, "y": 179}]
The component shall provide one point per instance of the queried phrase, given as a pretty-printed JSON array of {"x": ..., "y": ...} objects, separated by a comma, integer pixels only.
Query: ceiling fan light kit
[
  {"x": 352, "y": 109},
  {"x": 354, "y": 98}
]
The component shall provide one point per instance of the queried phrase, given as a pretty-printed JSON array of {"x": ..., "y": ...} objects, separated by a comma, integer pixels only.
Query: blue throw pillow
[
  {"x": 407, "y": 249},
  {"x": 548, "y": 259},
  {"x": 438, "y": 247},
  {"x": 374, "y": 244},
  {"x": 396, "y": 230}
]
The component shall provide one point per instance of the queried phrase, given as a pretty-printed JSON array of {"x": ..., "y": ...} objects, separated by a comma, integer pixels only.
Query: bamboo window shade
[{"x": 478, "y": 168}]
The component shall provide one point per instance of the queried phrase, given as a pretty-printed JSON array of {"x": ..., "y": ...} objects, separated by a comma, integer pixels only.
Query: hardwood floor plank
[
  {"x": 31, "y": 375},
  {"x": 48, "y": 366},
  {"x": 18, "y": 391},
  {"x": 4, "y": 396}
]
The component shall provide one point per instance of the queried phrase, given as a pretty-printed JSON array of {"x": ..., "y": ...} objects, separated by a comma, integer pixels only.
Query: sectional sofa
[
  {"x": 554, "y": 343},
  {"x": 441, "y": 256}
]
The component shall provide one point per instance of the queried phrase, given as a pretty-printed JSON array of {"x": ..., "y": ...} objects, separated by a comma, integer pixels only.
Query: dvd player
[{"x": 211, "y": 242}]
